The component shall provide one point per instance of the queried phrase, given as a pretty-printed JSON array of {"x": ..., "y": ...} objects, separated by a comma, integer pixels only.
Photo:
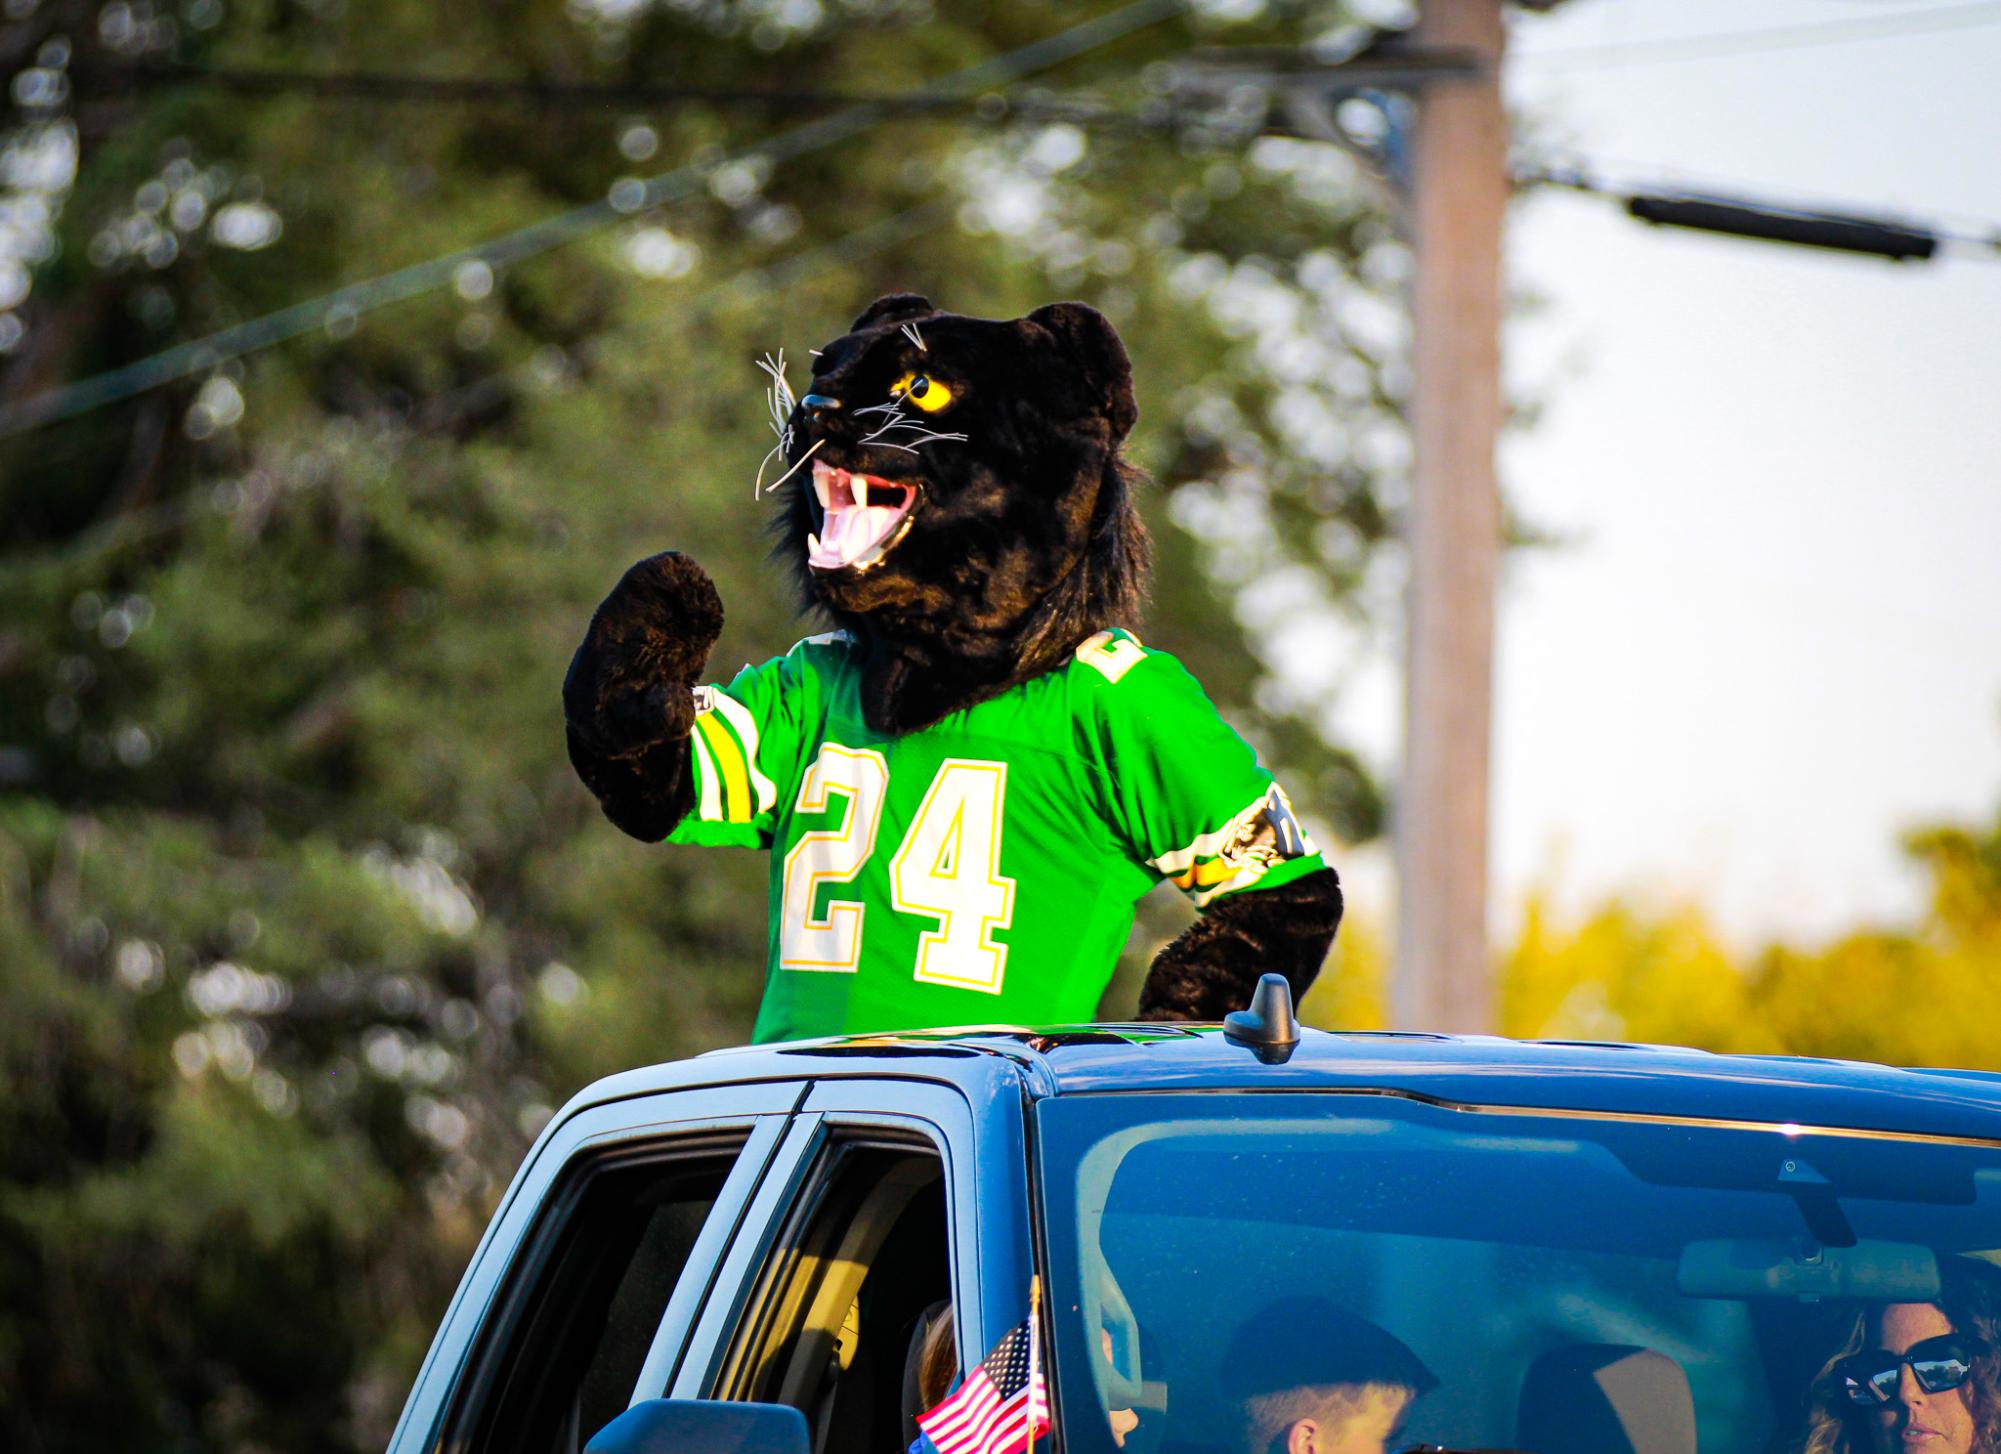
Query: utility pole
[
  {"x": 1455, "y": 189},
  {"x": 1459, "y": 190}
]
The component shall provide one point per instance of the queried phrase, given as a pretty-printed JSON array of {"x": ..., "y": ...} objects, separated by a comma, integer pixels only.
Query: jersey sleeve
[
  {"x": 1188, "y": 794},
  {"x": 745, "y": 742}
]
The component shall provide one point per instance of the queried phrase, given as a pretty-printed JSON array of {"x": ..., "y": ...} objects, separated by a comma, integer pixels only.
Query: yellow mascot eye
[{"x": 923, "y": 391}]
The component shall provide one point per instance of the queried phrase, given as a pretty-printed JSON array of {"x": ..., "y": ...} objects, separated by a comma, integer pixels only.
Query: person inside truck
[
  {"x": 1308, "y": 1378},
  {"x": 1916, "y": 1378}
]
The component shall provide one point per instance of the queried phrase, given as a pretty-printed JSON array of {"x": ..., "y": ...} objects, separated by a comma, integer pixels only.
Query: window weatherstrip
[
  {"x": 731, "y": 1283},
  {"x": 705, "y": 1259}
]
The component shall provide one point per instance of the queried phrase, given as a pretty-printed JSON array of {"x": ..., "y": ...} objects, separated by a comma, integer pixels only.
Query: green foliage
[{"x": 305, "y": 924}]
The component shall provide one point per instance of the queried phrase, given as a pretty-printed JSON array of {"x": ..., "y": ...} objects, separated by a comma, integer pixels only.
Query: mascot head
[{"x": 958, "y": 496}]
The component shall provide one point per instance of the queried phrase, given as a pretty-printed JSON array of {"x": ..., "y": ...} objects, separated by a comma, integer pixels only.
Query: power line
[
  {"x": 387, "y": 86},
  {"x": 632, "y": 196},
  {"x": 398, "y": 88},
  {"x": 133, "y": 526},
  {"x": 1382, "y": 66},
  {"x": 627, "y": 198},
  {"x": 1757, "y": 42}
]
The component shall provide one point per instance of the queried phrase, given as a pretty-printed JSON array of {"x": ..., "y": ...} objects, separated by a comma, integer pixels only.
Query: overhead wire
[
  {"x": 132, "y": 527},
  {"x": 392, "y": 86},
  {"x": 1761, "y": 41},
  {"x": 627, "y": 198},
  {"x": 632, "y": 196},
  {"x": 388, "y": 86}
]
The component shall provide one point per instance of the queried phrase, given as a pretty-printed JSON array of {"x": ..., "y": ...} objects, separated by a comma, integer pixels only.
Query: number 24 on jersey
[{"x": 947, "y": 869}]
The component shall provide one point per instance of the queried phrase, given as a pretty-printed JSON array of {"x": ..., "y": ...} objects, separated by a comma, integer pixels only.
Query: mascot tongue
[{"x": 860, "y": 512}]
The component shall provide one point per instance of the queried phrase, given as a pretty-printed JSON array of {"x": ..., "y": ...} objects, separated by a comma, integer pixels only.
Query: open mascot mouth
[{"x": 862, "y": 517}]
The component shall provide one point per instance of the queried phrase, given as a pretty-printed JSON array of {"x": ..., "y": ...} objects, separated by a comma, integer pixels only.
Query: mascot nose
[{"x": 817, "y": 402}]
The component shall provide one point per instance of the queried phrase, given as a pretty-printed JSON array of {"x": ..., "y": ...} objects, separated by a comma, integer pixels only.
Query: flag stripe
[
  {"x": 978, "y": 1396},
  {"x": 1000, "y": 1408},
  {"x": 963, "y": 1418},
  {"x": 999, "y": 1414},
  {"x": 1008, "y": 1426}
]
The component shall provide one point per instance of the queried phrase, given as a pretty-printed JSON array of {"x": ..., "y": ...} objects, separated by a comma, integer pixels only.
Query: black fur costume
[{"x": 1022, "y": 542}]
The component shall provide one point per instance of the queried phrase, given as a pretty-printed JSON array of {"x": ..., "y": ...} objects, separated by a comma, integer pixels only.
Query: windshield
[{"x": 1222, "y": 1267}]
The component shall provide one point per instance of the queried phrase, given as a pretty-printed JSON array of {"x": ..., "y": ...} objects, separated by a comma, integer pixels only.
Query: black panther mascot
[{"x": 967, "y": 785}]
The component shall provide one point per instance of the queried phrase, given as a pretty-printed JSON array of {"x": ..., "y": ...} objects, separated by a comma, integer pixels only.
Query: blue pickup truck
[{"x": 1592, "y": 1248}]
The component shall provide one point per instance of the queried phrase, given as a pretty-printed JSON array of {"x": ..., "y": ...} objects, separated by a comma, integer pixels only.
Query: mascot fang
[{"x": 967, "y": 785}]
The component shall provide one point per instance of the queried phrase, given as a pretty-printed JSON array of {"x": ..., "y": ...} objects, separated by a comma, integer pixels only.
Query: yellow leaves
[
  {"x": 1966, "y": 880},
  {"x": 1626, "y": 975},
  {"x": 1352, "y": 992},
  {"x": 1927, "y": 995}
]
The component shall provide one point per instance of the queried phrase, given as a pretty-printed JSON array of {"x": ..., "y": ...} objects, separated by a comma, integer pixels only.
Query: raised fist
[{"x": 628, "y": 703}]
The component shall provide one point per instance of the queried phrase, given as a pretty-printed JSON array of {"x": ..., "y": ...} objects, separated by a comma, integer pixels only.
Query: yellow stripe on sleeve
[
  {"x": 728, "y": 758},
  {"x": 1202, "y": 875},
  {"x": 764, "y": 793},
  {"x": 709, "y": 795}
]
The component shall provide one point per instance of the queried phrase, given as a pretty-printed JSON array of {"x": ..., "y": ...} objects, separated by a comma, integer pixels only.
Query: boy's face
[{"x": 1367, "y": 1426}]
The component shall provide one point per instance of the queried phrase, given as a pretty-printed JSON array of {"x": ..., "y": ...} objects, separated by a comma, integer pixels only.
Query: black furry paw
[
  {"x": 628, "y": 702},
  {"x": 1213, "y": 966}
]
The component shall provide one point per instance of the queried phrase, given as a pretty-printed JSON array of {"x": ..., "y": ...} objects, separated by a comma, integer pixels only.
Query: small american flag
[{"x": 1003, "y": 1406}]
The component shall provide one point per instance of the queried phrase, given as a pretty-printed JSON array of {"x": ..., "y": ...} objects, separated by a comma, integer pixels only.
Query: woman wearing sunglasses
[{"x": 1917, "y": 1378}]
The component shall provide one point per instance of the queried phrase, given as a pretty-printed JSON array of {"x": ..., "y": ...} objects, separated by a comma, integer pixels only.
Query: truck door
[
  {"x": 891, "y": 1204},
  {"x": 591, "y": 1273}
]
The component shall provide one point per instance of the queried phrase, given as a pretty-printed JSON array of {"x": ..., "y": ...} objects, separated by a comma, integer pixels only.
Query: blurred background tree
[
  {"x": 305, "y": 925},
  {"x": 1924, "y": 994}
]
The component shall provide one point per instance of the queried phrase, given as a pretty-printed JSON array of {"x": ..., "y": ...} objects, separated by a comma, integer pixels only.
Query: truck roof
[{"x": 1473, "y": 1070}]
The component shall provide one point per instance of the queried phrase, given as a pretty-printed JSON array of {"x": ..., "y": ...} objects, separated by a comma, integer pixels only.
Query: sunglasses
[{"x": 1936, "y": 1363}]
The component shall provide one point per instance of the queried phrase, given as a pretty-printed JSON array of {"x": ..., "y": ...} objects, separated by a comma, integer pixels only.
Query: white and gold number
[
  {"x": 949, "y": 869},
  {"x": 831, "y": 942}
]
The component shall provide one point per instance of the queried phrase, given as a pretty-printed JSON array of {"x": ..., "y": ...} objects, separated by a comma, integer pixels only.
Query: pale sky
[
  {"x": 1772, "y": 642},
  {"x": 1775, "y": 642}
]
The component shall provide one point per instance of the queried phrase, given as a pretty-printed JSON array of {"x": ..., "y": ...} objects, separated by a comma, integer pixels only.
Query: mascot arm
[
  {"x": 1191, "y": 800},
  {"x": 628, "y": 700},
  {"x": 1213, "y": 966}
]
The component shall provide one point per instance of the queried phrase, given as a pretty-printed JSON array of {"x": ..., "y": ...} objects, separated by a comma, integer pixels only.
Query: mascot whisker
[{"x": 967, "y": 784}]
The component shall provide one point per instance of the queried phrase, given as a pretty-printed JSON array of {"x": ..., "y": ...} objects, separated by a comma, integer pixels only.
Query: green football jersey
[{"x": 983, "y": 870}]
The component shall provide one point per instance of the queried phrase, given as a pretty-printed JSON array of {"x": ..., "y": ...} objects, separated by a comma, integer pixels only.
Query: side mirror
[{"x": 712, "y": 1426}]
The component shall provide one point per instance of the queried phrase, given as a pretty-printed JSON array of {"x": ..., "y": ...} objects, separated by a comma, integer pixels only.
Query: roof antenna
[{"x": 1268, "y": 1028}]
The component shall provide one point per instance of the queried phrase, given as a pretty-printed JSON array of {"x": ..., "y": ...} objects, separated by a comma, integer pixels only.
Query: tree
[
  {"x": 1925, "y": 994},
  {"x": 306, "y": 925}
]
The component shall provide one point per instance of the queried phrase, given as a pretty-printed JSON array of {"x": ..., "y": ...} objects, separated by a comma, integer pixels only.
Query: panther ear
[
  {"x": 1090, "y": 345},
  {"x": 891, "y": 308}
]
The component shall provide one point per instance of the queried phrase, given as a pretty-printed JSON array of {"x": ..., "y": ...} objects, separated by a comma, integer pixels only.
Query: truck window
[
  {"x": 572, "y": 1326},
  {"x": 830, "y": 1324}
]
